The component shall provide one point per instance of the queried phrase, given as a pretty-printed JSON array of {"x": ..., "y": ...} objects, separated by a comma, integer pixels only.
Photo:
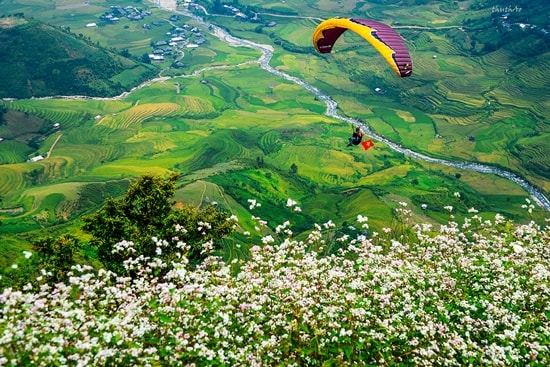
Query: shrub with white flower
[{"x": 450, "y": 296}]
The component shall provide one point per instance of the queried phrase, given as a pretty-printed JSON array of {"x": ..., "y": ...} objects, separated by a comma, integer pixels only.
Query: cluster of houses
[
  {"x": 176, "y": 40},
  {"x": 238, "y": 13},
  {"x": 180, "y": 37},
  {"x": 506, "y": 16},
  {"x": 130, "y": 12},
  {"x": 118, "y": 12}
]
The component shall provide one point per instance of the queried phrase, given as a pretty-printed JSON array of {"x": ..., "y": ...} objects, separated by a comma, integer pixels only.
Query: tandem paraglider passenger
[{"x": 356, "y": 137}]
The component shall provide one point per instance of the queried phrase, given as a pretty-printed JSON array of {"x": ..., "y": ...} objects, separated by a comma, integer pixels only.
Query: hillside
[
  {"x": 39, "y": 60},
  {"x": 470, "y": 294}
]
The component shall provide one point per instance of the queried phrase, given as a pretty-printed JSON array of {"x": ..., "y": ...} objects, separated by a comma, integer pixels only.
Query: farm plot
[
  {"x": 535, "y": 154},
  {"x": 13, "y": 152},
  {"x": 11, "y": 180},
  {"x": 68, "y": 113},
  {"x": 138, "y": 114},
  {"x": 194, "y": 107},
  {"x": 317, "y": 163}
]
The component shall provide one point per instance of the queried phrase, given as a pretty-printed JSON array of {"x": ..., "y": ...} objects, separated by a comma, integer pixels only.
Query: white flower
[
  {"x": 253, "y": 204},
  {"x": 329, "y": 224},
  {"x": 27, "y": 254},
  {"x": 456, "y": 194},
  {"x": 362, "y": 219},
  {"x": 290, "y": 203},
  {"x": 517, "y": 248}
]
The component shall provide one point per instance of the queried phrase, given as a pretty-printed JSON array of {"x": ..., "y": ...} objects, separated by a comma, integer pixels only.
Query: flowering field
[{"x": 471, "y": 293}]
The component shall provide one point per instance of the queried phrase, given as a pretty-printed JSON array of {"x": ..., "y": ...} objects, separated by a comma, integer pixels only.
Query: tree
[
  {"x": 49, "y": 262},
  {"x": 146, "y": 211},
  {"x": 56, "y": 256},
  {"x": 124, "y": 52},
  {"x": 145, "y": 58}
]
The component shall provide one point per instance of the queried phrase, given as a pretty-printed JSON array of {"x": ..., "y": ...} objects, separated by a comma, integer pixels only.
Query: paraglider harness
[{"x": 356, "y": 137}]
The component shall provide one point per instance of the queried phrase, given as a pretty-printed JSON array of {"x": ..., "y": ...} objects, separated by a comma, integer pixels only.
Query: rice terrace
[{"x": 222, "y": 122}]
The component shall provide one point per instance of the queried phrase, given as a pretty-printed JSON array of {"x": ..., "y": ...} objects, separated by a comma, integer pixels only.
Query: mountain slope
[{"x": 39, "y": 60}]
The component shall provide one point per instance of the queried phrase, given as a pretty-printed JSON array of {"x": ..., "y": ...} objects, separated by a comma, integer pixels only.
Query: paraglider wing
[
  {"x": 381, "y": 36},
  {"x": 367, "y": 144}
]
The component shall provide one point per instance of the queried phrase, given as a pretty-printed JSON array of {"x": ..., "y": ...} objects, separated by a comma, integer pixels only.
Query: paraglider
[
  {"x": 356, "y": 137},
  {"x": 381, "y": 36}
]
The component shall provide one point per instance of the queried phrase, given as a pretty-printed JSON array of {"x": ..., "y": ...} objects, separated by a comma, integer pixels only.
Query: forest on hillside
[{"x": 39, "y": 60}]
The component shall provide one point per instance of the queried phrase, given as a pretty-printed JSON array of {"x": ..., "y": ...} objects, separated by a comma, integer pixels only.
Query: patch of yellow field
[
  {"x": 439, "y": 21},
  {"x": 542, "y": 183},
  {"x": 129, "y": 170},
  {"x": 503, "y": 114},
  {"x": 195, "y": 104},
  {"x": 495, "y": 157},
  {"x": 382, "y": 177},
  {"x": 456, "y": 120},
  {"x": 159, "y": 143},
  {"x": 466, "y": 99},
  {"x": 139, "y": 113},
  {"x": 405, "y": 116},
  {"x": 10, "y": 22},
  {"x": 436, "y": 145}
]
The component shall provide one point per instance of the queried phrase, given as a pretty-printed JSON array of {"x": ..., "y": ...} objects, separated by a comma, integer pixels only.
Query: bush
[{"x": 147, "y": 211}]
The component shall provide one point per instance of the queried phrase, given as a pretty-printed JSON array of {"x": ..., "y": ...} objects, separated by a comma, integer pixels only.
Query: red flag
[{"x": 367, "y": 144}]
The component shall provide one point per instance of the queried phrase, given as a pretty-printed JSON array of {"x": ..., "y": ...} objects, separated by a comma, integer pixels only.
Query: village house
[{"x": 35, "y": 159}]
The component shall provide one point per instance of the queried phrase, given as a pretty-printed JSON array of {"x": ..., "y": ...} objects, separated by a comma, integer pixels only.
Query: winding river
[{"x": 263, "y": 61}]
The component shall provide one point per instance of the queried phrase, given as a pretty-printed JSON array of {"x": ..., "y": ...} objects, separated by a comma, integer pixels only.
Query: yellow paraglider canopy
[{"x": 381, "y": 36}]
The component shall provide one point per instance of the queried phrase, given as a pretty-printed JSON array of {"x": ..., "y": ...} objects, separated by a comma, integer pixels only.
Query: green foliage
[
  {"x": 146, "y": 212},
  {"x": 56, "y": 256},
  {"x": 194, "y": 227},
  {"x": 50, "y": 262},
  {"x": 64, "y": 64}
]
